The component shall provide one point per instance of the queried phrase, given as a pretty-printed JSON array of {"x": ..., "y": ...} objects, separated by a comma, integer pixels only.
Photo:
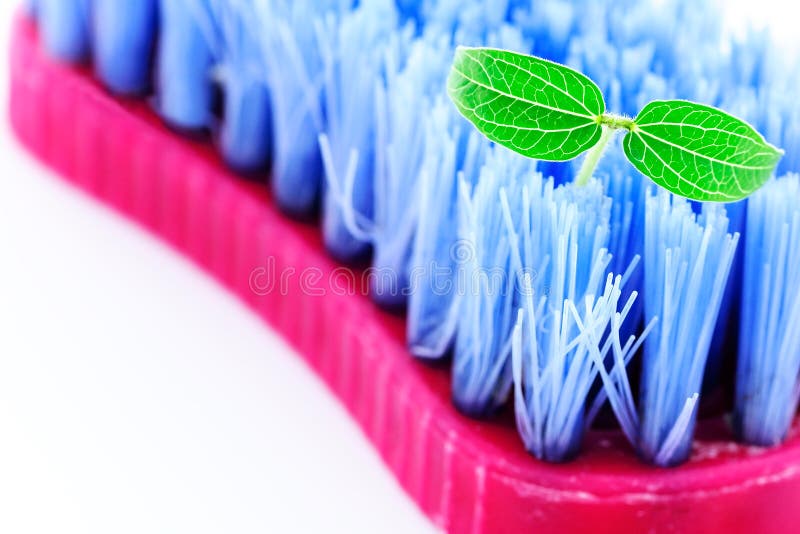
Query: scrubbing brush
[{"x": 540, "y": 293}]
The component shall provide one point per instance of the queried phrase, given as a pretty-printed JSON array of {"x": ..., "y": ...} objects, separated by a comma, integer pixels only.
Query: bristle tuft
[
  {"x": 769, "y": 333},
  {"x": 686, "y": 265}
]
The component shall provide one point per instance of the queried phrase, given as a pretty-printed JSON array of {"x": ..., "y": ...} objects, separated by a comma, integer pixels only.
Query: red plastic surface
[{"x": 467, "y": 476}]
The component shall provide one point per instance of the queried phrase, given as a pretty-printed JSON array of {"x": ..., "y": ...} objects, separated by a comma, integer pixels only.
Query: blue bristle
[
  {"x": 352, "y": 50},
  {"x": 554, "y": 398},
  {"x": 500, "y": 36},
  {"x": 470, "y": 22},
  {"x": 442, "y": 17},
  {"x": 776, "y": 112},
  {"x": 773, "y": 110},
  {"x": 65, "y": 28},
  {"x": 439, "y": 17},
  {"x": 558, "y": 255},
  {"x": 404, "y": 95},
  {"x": 403, "y": 102},
  {"x": 568, "y": 320},
  {"x": 288, "y": 44},
  {"x": 687, "y": 261},
  {"x": 453, "y": 149},
  {"x": 630, "y": 49},
  {"x": 183, "y": 68},
  {"x": 748, "y": 58},
  {"x": 791, "y": 141},
  {"x": 245, "y": 135},
  {"x": 767, "y": 386},
  {"x": 740, "y": 102},
  {"x": 413, "y": 10},
  {"x": 481, "y": 361},
  {"x": 724, "y": 332},
  {"x": 550, "y": 25},
  {"x": 626, "y": 240},
  {"x": 123, "y": 40},
  {"x": 477, "y": 20}
]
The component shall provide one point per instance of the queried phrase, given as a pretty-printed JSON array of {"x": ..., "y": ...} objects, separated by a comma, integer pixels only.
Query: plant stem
[
  {"x": 616, "y": 122},
  {"x": 593, "y": 156}
]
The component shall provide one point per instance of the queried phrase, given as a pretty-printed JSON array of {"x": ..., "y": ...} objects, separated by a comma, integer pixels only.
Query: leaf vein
[
  {"x": 704, "y": 156},
  {"x": 551, "y": 84},
  {"x": 520, "y": 99}
]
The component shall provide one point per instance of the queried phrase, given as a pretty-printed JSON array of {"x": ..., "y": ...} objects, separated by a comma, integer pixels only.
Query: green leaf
[
  {"x": 699, "y": 152},
  {"x": 535, "y": 107}
]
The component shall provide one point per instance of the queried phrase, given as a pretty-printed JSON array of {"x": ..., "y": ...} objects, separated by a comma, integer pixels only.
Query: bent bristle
[
  {"x": 403, "y": 104},
  {"x": 566, "y": 321},
  {"x": 245, "y": 136},
  {"x": 686, "y": 265},
  {"x": 481, "y": 371},
  {"x": 286, "y": 42},
  {"x": 352, "y": 50},
  {"x": 452, "y": 150}
]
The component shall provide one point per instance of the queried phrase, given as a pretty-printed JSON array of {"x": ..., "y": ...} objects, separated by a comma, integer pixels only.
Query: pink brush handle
[{"x": 468, "y": 476}]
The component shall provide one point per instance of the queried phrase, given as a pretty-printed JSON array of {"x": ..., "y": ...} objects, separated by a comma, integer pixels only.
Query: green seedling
[{"x": 547, "y": 111}]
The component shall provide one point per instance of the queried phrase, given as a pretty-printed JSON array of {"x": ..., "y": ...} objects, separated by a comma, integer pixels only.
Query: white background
[{"x": 137, "y": 396}]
